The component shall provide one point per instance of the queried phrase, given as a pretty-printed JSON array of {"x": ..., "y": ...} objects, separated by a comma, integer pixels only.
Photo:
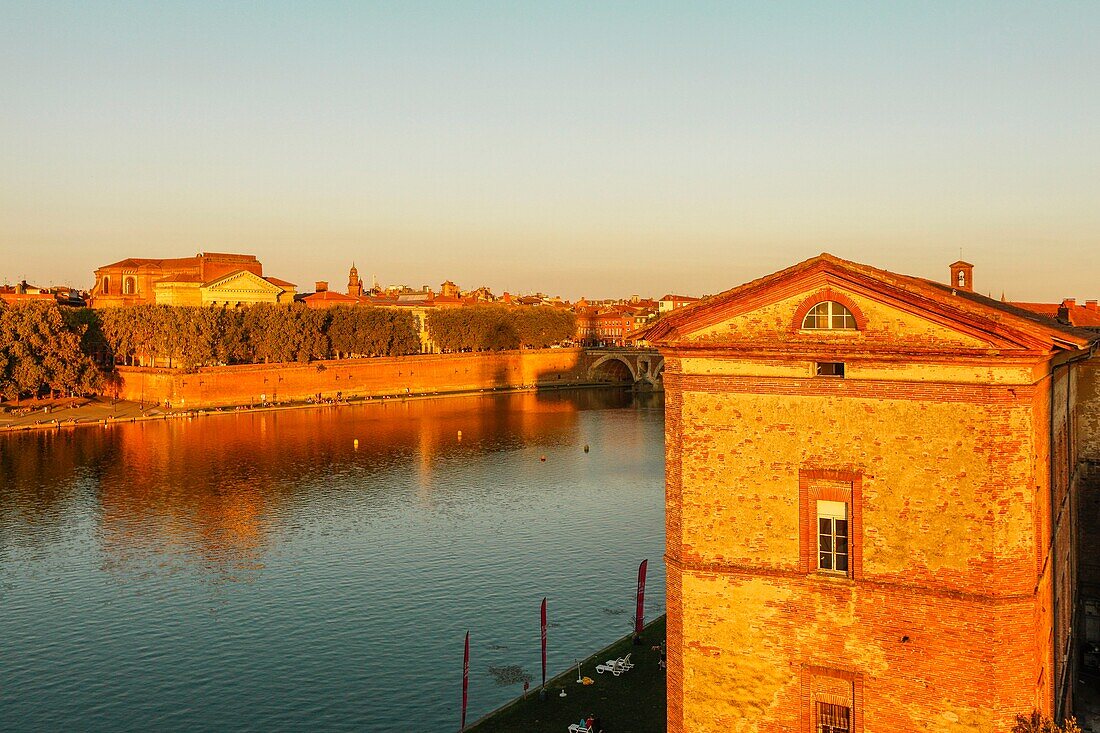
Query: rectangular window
[
  {"x": 833, "y": 718},
  {"x": 832, "y": 536},
  {"x": 830, "y": 369}
]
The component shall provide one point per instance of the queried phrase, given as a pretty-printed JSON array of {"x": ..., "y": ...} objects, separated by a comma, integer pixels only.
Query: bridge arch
[
  {"x": 613, "y": 369},
  {"x": 657, "y": 371}
]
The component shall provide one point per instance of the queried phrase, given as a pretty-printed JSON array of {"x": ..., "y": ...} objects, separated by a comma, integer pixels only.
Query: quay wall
[{"x": 419, "y": 374}]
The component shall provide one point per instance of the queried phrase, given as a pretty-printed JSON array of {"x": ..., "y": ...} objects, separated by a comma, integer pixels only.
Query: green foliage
[
  {"x": 541, "y": 327},
  {"x": 278, "y": 333},
  {"x": 193, "y": 337},
  {"x": 355, "y": 331},
  {"x": 40, "y": 351},
  {"x": 495, "y": 327}
]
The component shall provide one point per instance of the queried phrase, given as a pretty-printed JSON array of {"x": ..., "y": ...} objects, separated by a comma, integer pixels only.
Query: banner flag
[
  {"x": 465, "y": 678},
  {"x": 544, "y": 642},
  {"x": 639, "y": 615}
]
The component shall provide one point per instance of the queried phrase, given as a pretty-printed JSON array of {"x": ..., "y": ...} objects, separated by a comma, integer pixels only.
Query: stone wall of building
[
  {"x": 939, "y": 430},
  {"x": 950, "y": 516},
  {"x": 421, "y": 374}
]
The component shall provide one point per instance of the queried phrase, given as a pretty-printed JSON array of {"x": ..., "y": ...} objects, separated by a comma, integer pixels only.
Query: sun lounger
[
  {"x": 612, "y": 666},
  {"x": 578, "y": 728},
  {"x": 617, "y": 666}
]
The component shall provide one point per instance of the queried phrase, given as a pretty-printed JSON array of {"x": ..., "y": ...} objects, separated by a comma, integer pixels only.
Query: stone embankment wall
[{"x": 420, "y": 374}]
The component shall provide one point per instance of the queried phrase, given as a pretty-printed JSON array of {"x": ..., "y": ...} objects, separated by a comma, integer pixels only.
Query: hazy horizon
[{"x": 580, "y": 150}]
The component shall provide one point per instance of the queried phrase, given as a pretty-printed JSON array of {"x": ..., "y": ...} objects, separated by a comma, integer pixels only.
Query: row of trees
[
  {"x": 41, "y": 351},
  {"x": 495, "y": 328},
  {"x": 47, "y": 348},
  {"x": 194, "y": 337}
]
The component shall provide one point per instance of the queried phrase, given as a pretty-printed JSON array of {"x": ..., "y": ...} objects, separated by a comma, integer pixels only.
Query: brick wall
[
  {"x": 940, "y": 628},
  {"x": 1086, "y": 380},
  {"x": 425, "y": 373}
]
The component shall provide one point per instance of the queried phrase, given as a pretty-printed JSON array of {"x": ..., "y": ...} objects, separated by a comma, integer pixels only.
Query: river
[{"x": 258, "y": 571}]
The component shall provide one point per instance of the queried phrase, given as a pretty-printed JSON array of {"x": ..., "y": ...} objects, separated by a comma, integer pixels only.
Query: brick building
[
  {"x": 208, "y": 278},
  {"x": 872, "y": 491},
  {"x": 618, "y": 324}
]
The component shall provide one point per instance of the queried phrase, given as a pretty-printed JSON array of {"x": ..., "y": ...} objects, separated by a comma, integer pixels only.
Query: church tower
[{"x": 355, "y": 285}]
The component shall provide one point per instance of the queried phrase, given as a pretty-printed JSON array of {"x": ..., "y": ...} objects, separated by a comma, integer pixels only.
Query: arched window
[
  {"x": 128, "y": 286},
  {"x": 829, "y": 315},
  {"x": 106, "y": 284}
]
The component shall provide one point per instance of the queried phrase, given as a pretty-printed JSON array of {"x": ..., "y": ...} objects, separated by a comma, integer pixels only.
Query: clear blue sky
[{"x": 589, "y": 149}]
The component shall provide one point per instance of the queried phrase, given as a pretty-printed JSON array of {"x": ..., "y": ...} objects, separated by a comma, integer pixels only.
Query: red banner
[
  {"x": 544, "y": 642},
  {"x": 639, "y": 614},
  {"x": 465, "y": 679}
]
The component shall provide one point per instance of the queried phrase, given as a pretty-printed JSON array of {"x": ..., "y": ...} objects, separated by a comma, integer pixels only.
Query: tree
[
  {"x": 1038, "y": 723},
  {"x": 40, "y": 350},
  {"x": 404, "y": 337},
  {"x": 279, "y": 333},
  {"x": 540, "y": 327},
  {"x": 495, "y": 327}
]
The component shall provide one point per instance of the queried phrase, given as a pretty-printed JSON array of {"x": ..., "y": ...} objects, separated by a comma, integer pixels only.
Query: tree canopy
[
  {"x": 44, "y": 347},
  {"x": 40, "y": 351},
  {"x": 496, "y": 327}
]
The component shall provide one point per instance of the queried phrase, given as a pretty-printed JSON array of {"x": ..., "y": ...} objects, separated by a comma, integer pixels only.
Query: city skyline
[{"x": 575, "y": 150}]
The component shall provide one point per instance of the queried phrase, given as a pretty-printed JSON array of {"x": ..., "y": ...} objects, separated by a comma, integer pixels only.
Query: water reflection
[
  {"x": 146, "y": 566},
  {"x": 217, "y": 486}
]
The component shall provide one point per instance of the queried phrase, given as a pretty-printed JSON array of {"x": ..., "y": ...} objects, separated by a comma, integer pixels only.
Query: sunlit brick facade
[
  {"x": 871, "y": 506},
  {"x": 208, "y": 278}
]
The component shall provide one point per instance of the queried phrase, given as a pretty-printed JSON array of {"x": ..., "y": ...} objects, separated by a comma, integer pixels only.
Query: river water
[{"x": 257, "y": 571}]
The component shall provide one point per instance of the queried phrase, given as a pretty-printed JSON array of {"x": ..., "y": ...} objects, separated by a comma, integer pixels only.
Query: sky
[{"x": 581, "y": 149}]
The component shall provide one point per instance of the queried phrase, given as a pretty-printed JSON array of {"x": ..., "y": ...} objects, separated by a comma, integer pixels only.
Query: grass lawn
[{"x": 633, "y": 702}]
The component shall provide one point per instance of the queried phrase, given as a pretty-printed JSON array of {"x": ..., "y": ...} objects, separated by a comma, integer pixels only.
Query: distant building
[
  {"x": 1068, "y": 312},
  {"x": 874, "y": 485},
  {"x": 671, "y": 302},
  {"x": 322, "y": 297},
  {"x": 208, "y": 278},
  {"x": 26, "y": 293},
  {"x": 618, "y": 324}
]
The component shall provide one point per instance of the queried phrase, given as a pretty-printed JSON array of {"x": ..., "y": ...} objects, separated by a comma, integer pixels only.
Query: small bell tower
[
  {"x": 355, "y": 285},
  {"x": 962, "y": 276}
]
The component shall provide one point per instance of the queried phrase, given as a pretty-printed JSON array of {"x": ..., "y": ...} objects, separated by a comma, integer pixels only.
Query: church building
[
  {"x": 873, "y": 483},
  {"x": 208, "y": 278}
]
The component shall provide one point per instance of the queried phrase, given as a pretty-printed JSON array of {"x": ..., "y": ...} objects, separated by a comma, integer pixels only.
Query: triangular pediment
[
  {"x": 892, "y": 313},
  {"x": 241, "y": 281}
]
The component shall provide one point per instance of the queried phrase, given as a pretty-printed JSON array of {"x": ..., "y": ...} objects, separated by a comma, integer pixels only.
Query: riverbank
[
  {"x": 338, "y": 379},
  {"x": 66, "y": 413},
  {"x": 634, "y": 701}
]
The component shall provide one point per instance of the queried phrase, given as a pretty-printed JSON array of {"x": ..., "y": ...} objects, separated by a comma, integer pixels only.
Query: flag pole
[
  {"x": 465, "y": 679},
  {"x": 544, "y": 642}
]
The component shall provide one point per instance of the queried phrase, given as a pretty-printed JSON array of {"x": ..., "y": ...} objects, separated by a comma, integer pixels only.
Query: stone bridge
[{"x": 642, "y": 368}]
